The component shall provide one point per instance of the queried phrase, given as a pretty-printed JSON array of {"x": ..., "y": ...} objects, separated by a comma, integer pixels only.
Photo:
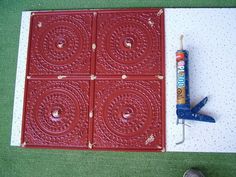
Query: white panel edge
[{"x": 20, "y": 80}]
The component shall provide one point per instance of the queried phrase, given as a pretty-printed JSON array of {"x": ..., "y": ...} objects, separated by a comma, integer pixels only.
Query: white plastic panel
[
  {"x": 20, "y": 80},
  {"x": 210, "y": 38}
]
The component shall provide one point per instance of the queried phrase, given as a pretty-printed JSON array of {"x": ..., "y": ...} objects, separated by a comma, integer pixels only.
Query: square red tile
[
  {"x": 60, "y": 43},
  {"x": 130, "y": 42},
  {"x": 93, "y": 106},
  {"x": 129, "y": 115},
  {"x": 56, "y": 114}
]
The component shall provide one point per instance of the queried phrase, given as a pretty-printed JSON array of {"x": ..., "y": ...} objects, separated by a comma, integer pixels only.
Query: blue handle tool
[{"x": 183, "y": 109}]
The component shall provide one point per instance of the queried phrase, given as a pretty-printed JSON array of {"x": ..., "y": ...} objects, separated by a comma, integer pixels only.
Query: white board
[
  {"x": 20, "y": 80},
  {"x": 210, "y": 37}
]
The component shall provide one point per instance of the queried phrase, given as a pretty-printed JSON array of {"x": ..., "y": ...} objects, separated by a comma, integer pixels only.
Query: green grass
[{"x": 19, "y": 162}]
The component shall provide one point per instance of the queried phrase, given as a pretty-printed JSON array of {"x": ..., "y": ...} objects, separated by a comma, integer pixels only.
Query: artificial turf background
[{"x": 17, "y": 162}]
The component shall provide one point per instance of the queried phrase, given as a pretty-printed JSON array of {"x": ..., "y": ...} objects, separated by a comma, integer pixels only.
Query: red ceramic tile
[
  {"x": 130, "y": 42},
  {"x": 56, "y": 114},
  {"x": 60, "y": 43},
  {"x": 107, "y": 112},
  {"x": 128, "y": 115}
]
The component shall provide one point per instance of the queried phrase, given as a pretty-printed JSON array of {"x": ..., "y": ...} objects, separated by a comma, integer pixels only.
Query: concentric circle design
[
  {"x": 62, "y": 102},
  {"x": 127, "y": 112},
  {"x": 57, "y": 112},
  {"x": 62, "y": 45},
  {"x": 128, "y": 44}
]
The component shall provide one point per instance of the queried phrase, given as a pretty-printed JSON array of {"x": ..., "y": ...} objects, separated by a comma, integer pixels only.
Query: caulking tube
[
  {"x": 182, "y": 72},
  {"x": 183, "y": 99}
]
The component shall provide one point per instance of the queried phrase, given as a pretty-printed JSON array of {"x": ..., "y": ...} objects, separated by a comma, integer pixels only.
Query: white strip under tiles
[
  {"x": 20, "y": 80},
  {"x": 210, "y": 38}
]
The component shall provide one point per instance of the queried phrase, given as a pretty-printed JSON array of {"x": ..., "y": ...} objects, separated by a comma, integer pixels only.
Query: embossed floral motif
[{"x": 95, "y": 80}]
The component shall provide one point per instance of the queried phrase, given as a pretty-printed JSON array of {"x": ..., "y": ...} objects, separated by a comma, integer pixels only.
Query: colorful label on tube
[{"x": 181, "y": 90}]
